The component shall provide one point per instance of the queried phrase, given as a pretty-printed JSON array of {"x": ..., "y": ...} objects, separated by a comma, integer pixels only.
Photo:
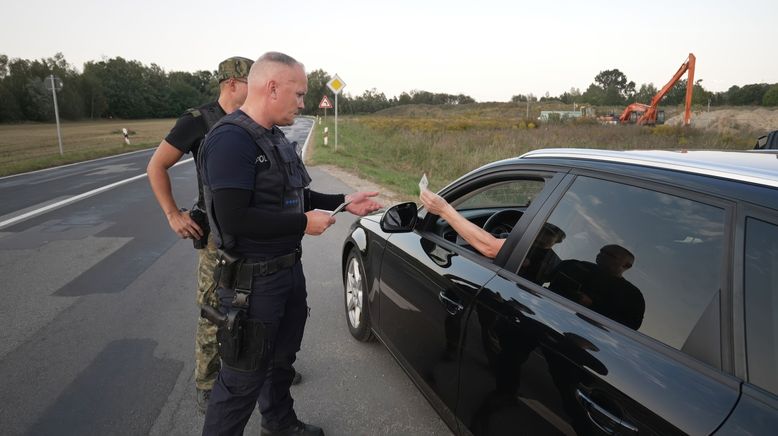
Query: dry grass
[
  {"x": 30, "y": 146},
  {"x": 395, "y": 146}
]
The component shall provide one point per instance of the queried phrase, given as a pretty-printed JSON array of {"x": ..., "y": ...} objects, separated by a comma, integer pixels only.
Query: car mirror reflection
[{"x": 400, "y": 218}]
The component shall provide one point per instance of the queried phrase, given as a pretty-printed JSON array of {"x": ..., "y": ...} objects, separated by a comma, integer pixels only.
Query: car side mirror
[{"x": 400, "y": 218}]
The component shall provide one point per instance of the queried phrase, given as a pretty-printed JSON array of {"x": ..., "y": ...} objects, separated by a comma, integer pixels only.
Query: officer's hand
[
  {"x": 183, "y": 225},
  {"x": 318, "y": 222},
  {"x": 361, "y": 203}
]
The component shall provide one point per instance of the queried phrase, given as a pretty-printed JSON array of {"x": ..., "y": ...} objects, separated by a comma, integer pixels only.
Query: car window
[
  {"x": 761, "y": 300},
  {"x": 647, "y": 259},
  {"x": 514, "y": 193}
]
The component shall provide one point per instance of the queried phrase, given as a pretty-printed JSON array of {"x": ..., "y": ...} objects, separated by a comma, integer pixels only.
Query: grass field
[
  {"x": 31, "y": 146},
  {"x": 394, "y": 147}
]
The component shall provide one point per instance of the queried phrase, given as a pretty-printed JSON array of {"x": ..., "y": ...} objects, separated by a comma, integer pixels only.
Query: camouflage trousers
[{"x": 207, "y": 362}]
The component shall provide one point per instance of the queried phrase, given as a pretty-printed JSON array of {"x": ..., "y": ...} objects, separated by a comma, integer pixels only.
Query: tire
[{"x": 355, "y": 297}]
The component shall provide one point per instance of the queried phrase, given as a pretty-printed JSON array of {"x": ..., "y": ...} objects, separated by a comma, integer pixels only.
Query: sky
[{"x": 490, "y": 50}]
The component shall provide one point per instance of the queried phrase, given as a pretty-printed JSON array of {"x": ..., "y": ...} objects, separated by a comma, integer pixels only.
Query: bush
[{"x": 771, "y": 96}]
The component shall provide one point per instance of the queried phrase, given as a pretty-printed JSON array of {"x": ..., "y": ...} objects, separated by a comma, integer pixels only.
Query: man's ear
[{"x": 272, "y": 87}]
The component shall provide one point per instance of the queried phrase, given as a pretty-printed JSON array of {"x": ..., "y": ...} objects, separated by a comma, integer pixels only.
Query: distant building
[{"x": 559, "y": 115}]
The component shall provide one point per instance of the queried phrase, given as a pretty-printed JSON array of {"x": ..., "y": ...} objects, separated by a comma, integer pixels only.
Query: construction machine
[{"x": 646, "y": 114}]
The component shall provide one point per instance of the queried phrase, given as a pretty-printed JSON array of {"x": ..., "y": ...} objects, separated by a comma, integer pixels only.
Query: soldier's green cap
[{"x": 234, "y": 67}]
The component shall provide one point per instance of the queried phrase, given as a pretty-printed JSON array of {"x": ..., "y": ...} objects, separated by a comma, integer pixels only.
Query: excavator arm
[
  {"x": 649, "y": 110},
  {"x": 649, "y": 117}
]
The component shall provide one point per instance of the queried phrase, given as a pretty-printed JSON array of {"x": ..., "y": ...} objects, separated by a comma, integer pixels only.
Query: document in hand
[
  {"x": 340, "y": 208},
  {"x": 423, "y": 183}
]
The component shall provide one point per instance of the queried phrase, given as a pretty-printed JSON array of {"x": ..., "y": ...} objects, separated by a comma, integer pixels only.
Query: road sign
[
  {"x": 336, "y": 84},
  {"x": 325, "y": 103},
  {"x": 52, "y": 83}
]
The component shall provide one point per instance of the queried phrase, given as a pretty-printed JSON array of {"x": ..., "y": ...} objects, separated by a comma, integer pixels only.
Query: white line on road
[
  {"x": 93, "y": 192},
  {"x": 75, "y": 198},
  {"x": 75, "y": 163}
]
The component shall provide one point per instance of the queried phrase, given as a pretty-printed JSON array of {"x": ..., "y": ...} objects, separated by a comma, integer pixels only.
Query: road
[{"x": 98, "y": 314}]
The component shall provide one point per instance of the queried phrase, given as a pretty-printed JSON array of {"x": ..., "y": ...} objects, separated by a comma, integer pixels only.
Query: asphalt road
[{"x": 98, "y": 314}]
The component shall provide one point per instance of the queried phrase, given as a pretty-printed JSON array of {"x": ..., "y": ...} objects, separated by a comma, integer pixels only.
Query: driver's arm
[{"x": 479, "y": 238}]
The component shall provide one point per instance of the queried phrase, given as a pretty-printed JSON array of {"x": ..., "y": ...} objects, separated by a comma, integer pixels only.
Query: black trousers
[{"x": 279, "y": 301}]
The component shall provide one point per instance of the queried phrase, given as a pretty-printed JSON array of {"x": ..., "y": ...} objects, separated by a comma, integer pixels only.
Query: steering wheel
[{"x": 502, "y": 222}]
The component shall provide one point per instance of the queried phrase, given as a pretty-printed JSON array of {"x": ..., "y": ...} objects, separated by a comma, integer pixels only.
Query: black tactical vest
[
  {"x": 277, "y": 189},
  {"x": 211, "y": 113}
]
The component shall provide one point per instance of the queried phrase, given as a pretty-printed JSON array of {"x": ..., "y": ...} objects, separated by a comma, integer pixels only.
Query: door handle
[
  {"x": 452, "y": 307},
  {"x": 607, "y": 422}
]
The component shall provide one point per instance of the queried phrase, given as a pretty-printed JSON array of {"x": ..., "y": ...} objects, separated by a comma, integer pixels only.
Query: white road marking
[
  {"x": 76, "y": 198},
  {"x": 93, "y": 192}
]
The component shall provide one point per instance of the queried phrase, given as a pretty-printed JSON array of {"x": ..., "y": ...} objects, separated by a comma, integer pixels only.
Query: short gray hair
[{"x": 278, "y": 57}]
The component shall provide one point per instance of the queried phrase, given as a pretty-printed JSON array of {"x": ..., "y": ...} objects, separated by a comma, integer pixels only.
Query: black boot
[{"x": 297, "y": 429}]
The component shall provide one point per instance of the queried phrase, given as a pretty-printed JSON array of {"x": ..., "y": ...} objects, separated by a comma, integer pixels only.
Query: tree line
[
  {"x": 105, "y": 89},
  {"x": 122, "y": 88},
  {"x": 611, "y": 88}
]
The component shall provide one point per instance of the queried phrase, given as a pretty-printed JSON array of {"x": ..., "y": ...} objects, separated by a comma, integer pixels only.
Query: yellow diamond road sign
[{"x": 336, "y": 84}]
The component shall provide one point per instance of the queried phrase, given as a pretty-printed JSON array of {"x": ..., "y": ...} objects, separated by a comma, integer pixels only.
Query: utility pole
[{"x": 55, "y": 84}]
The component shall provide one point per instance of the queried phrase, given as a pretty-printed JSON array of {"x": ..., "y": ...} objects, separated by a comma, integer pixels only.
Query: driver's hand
[{"x": 433, "y": 202}]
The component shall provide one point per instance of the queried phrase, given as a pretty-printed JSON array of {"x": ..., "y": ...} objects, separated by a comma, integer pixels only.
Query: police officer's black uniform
[{"x": 277, "y": 310}]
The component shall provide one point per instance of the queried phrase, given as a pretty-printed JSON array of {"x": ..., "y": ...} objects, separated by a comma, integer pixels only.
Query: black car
[{"x": 636, "y": 293}]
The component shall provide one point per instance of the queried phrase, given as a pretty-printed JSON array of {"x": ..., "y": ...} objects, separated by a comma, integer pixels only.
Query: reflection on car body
[{"x": 635, "y": 293}]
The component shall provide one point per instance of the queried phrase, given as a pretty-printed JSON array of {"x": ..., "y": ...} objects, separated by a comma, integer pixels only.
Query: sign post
[
  {"x": 54, "y": 84},
  {"x": 336, "y": 84}
]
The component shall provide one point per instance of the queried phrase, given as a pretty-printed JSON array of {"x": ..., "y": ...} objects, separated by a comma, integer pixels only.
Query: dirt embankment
[{"x": 724, "y": 120}]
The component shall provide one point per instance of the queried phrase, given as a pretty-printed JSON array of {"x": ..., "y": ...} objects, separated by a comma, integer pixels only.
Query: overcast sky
[{"x": 488, "y": 49}]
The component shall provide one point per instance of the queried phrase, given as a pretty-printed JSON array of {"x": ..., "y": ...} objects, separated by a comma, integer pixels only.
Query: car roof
[{"x": 758, "y": 167}]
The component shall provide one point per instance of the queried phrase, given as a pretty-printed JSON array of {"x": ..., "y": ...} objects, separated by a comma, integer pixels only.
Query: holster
[
  {"x": 245, "y": 348},
  {"x": 200, "y": 217},
  {"x": 244, "y": 343},
  {"x": 226, "y": 271}
]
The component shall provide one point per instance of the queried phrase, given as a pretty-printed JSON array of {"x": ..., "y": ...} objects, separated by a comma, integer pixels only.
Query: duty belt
[
  {"x": 244, "y": 279},
  {"x": 272, "y": 266}
]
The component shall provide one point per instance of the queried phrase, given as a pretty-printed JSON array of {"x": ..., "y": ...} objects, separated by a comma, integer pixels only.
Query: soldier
[
  {"x": 185, "y": 137},
  {"x": 257, "y": 198}
]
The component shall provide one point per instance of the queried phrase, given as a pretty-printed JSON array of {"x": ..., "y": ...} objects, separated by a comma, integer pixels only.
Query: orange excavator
[{"x": 645, "y": 114}]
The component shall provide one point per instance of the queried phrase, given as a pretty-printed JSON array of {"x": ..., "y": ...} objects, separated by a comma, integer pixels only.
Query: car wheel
[{"x": 355, "y": 287}]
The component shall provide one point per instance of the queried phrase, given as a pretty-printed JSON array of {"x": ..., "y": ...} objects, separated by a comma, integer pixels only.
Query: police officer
[
  {"x": 257, "y": 196},
  {"x": 185, "y": 137}
]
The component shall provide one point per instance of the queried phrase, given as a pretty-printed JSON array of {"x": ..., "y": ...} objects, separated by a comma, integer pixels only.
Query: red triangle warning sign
[{"x": 325, "y": 103}]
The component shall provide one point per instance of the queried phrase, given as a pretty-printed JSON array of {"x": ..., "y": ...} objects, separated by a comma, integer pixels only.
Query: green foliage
[
  {"x": 747, "y": 95},
  {"x": 615, "y": 87},
  {"x": 771, "y": 96},
  {"x": 317, "y": 88},
  {"x": 108, "y": 88},
  {"x": 594, "y": 95},
  {"x": 123, "y": 88},
  {"x": 572, "y": 96},
  {"x": 523, "y": 98},
  {"x": 646, "y": 93}
]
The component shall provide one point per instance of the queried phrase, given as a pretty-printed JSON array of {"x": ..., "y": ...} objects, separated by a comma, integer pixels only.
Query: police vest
[{"x": 278, "y": 188}]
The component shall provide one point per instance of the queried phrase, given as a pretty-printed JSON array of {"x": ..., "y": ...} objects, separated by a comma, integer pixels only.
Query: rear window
[
  {"x": 761, "y": 298},
  {"x": 646, "y": 259}
]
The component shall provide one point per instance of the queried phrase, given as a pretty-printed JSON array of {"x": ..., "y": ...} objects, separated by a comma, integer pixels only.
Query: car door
[
  {"x": 613, "y": 326},
  {"x": 428, "y": 281},
  {"x": 756, "y": 321}
]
